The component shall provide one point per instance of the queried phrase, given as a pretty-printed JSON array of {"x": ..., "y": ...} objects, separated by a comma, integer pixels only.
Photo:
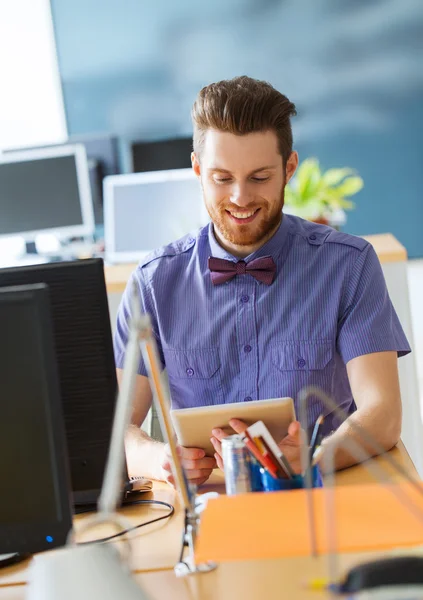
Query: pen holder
[
  {"x": 270, "y": 484},
  {"x": 255, "y": 475}
]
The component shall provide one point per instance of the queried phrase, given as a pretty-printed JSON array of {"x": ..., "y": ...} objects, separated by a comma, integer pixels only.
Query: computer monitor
[
  {"x": 46, "y": 191},
  {"x": 35, "y": 502},
  {"x": 102, "y": 148},
  {"x": 143, "y": 211},
  {"x": 103, "y": 160},
  {"x": 87, "y": 374},
  {"x": 161, "y": 155}
]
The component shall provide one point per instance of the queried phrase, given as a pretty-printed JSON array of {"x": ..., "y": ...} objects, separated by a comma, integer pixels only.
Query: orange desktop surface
[{"x": 275, "y": 524}]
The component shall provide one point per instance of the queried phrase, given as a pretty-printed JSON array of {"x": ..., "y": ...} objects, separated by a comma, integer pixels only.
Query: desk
[{"x": 156, "y": 549}]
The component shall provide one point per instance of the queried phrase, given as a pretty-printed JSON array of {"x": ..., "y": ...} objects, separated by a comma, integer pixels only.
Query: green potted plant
[{"x": 321, "y": 196}]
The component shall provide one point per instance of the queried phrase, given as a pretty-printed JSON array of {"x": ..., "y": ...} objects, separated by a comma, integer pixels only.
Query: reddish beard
[{"x": 266, "y": 221}]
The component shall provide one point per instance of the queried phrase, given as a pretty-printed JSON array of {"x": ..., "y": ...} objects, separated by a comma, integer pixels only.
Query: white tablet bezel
[{"x": 193, "y": 426}]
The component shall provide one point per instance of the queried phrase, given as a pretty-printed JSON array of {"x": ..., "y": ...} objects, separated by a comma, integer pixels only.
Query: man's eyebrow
[{"x": 264, "y": 168}]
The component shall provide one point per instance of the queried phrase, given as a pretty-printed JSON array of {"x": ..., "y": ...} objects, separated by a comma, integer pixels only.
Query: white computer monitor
[
  {"x": 46, "y": 191},
  {"x": 143, "y": 211}
]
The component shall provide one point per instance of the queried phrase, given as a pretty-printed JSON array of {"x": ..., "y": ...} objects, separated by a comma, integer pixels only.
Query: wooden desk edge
[{"x": 387, "y": 247}]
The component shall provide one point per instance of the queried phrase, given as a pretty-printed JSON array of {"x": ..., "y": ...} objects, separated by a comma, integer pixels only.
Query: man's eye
[
  {"x": 222, "y": 179},
  {"x": 260, "y": 179}
]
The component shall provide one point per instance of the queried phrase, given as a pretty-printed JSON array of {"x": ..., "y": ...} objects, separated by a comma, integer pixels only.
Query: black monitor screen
[
  {"x": 162, "y": 155},
  {"x": 39, "y": 194},
  {"x": 29, "y": 401},
  {"x": 84, "y": 351}
]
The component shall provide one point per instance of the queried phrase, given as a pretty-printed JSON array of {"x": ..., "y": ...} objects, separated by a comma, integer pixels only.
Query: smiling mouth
[{"x": 243, "y": 217}]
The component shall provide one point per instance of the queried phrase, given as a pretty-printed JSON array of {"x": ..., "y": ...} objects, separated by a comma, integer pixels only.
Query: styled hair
[{"x": 243, "y": 105}]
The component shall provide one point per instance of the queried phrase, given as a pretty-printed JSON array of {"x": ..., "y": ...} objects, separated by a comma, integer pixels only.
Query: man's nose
[{"x": 240, "y": 196}]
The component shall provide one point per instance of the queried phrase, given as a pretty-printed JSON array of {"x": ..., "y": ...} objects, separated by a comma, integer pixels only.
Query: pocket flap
[
  {"x": 192, "y": 364},
  {"x": 302, "y": 356}
]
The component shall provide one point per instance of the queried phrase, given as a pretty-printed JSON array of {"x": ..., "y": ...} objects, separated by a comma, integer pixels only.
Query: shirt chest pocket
[
  {"x": 194, "y": 376},
  {"x": 308, "y": 355}
]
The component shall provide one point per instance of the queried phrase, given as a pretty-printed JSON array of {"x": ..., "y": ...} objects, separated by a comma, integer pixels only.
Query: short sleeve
[
  {"x": 123, "y": 319},
  {"x": 368, "y": 322}
]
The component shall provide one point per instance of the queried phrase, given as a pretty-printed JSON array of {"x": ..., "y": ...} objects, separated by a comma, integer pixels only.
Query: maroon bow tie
[{"x": 263, "y": 269}]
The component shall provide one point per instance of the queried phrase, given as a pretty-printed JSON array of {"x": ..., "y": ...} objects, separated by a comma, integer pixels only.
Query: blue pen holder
[
  {"x": 255, "y": 475},
  {"x": 270, "y": 484}
]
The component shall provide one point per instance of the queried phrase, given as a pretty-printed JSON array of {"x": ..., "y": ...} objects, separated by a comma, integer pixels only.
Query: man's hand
[
  {"x": 290, "y": 445},
  {"x": 197, "y": 466}
]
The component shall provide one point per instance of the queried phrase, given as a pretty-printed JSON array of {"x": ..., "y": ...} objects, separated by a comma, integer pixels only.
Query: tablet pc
[{"x": 193, "y": 426}]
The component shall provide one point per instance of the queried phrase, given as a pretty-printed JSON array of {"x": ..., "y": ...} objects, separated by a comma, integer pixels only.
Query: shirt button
[
  {"x": 312, "y": 237},
  {"x": 245, "y": 298},
  {"x": 247, "y": 348},
  {"x": 247, "y": 399},
  {"x": 301, "y": 363},
  {"x": 190, "y": 372}
]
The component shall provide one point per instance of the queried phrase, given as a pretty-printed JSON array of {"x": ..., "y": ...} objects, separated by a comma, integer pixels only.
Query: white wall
[{"x": 31, "y": 103}]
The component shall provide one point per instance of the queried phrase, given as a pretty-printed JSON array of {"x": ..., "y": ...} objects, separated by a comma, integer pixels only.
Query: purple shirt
[{"x": 244, "y": 340}]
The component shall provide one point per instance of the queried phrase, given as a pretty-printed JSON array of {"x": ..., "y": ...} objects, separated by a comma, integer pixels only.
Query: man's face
[{"x": 243, "y": 184}]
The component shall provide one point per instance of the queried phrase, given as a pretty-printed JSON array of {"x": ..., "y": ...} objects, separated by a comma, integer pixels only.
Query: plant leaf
[
  {"x": 308, "y": 178},
  {"x": 289, "y": 194},
  {"x": 350, "y": 186},
  {"x": 312, "y": 194},
  {"x": 333, "y": 177}
]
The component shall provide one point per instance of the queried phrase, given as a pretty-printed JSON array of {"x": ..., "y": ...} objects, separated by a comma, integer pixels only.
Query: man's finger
[
  {"x": 219, "y": 433},
  {"x": 166, "y": 466},
  {"x": 189, "y": 453},
  {"x": 203, "y": 463},
  {"x": 237, "y": 425},
  {"x": 198, "y": 473},
  {"x": 219, "y": 461},
  {"x": 294, "y": 429},
  {"x": 200, "y": 480},
  {"x": 216, "y": 445}
]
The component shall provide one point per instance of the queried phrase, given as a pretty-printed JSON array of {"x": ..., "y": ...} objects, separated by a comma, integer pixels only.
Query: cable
[
  {"x": 126, "y": 531},
  {"x": 11, "y": 559}
]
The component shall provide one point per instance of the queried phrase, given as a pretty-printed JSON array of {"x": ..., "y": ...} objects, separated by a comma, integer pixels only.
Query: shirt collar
[{"x": 272, "y": 247}]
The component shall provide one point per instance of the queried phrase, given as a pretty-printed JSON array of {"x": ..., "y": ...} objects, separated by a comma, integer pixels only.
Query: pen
[{"x": 315, "y": 437}]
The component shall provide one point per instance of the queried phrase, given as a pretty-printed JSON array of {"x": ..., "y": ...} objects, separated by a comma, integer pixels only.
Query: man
[{"x": 314, "y": 311}]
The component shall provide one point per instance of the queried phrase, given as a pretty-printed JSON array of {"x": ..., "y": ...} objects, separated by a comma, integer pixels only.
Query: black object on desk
[
  {"x": 84, "y": 350},
  {"x": 393, "y": 571},
  {"x": 159, "y": 155},
  {"x": 35, "y": 508}
]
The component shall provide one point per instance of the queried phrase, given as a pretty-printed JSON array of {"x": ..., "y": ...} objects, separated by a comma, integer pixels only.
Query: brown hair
[{"x": 243, "y": 105}]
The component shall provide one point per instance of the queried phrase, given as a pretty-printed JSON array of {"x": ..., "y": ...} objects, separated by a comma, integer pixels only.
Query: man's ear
[
  {"x": 195, "y": 164},
  {"x": 291, "y": 165}
]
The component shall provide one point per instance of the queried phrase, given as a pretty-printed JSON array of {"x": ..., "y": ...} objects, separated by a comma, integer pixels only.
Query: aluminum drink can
[{"x": 236, "y": 465}]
